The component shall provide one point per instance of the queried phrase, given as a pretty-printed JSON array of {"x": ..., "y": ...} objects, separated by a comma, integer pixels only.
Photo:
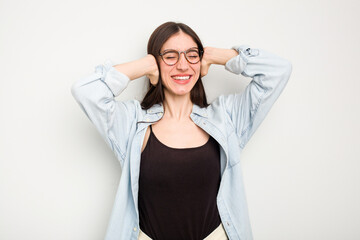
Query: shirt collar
[
  {"x": 199, "y": 111},
  {"x": 158, "y": 108}
]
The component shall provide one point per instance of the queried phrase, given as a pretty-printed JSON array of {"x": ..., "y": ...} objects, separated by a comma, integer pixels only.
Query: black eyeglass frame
[{"x": 179, "y": 55}]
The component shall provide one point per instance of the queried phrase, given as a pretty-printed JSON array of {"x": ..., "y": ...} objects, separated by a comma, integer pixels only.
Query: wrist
[
  {"x": 137, "y": 68},
  {"x": 220, "y": 55},
  {"x": 150, "y": 64}
]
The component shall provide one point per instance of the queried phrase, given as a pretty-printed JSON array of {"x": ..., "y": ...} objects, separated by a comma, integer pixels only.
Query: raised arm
[
  {"x": 215, "y": 56},
  {"x": 95, "y": 94},
  {"x": 269, "y": 74},
  {"x": 138, "y": 68}
]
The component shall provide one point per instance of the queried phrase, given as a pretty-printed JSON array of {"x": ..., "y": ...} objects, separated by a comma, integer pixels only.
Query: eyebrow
[{"x": 168, "y": 50}]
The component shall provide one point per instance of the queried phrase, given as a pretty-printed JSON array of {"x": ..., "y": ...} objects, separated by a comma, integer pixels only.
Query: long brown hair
[{"x": 155, "y": 94}]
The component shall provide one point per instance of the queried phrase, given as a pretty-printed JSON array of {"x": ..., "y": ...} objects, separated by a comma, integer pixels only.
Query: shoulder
[
  {"x": 218, "y": 119},
  {"x": 131, "y": 109},
  {"x": 218, "y": 109},
  {"x": 221, "y": 104}
]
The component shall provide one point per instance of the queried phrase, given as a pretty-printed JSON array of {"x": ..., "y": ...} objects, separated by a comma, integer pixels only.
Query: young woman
[{"x": 181, "y": 177}]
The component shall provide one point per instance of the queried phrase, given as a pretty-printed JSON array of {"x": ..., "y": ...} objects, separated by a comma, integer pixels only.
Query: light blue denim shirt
[{"x": 231, "y": 120}]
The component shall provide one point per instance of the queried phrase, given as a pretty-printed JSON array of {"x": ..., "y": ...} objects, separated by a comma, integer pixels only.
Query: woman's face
[{"x": 180, "y": 78}]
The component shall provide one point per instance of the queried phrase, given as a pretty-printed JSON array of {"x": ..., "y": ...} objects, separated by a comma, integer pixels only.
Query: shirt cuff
[
  {"x": 238, "y": 63},
  {"x": 115, "y": 80}
]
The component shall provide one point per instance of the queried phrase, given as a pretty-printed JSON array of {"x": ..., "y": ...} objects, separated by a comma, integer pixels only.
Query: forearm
[
  {"x": 219, "y": 55},
  {"x": 137, "y": 68}
]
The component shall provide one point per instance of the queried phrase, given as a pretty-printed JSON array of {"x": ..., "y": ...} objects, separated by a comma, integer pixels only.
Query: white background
[{"x": 58, "y": 177}]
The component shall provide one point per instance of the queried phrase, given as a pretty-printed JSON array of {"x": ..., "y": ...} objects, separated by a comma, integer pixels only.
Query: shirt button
[
  {"x": 135, "y": 229},
  {"x": 227, "y": 223}
]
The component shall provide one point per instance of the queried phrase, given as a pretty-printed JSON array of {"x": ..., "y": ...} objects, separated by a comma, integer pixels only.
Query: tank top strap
[{"x": 150, "y": 127}]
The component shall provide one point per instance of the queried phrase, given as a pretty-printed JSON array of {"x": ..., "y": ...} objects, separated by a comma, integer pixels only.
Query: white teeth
[{"x": 181, "y": 78}]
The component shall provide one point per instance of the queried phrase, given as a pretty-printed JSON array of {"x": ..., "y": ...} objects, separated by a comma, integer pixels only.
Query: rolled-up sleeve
[
  {"x": 269, "y": 74},
  {"x": 95, "y": 94}
]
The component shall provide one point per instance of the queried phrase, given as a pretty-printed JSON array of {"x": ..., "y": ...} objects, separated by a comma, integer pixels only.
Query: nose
[{"x": 182, "y": 63}]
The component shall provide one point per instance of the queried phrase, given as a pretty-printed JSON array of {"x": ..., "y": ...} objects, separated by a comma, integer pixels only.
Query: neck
[{"x": 177, "y": 107}]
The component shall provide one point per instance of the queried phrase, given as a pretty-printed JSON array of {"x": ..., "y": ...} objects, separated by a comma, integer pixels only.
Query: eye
[
  {"x": 170, "y": 55},
  {"x": 193, "y": 54}
]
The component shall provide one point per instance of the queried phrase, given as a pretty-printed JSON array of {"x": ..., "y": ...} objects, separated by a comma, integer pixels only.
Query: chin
[
  {"x": 179, "y": 92},
  {"x": 173, "y": 89}
]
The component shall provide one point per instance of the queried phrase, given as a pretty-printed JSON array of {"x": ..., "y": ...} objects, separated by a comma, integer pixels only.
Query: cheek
[
  {"x": 197, "y": 70},
  {"x": 163, "y": 71},
  {"x": 164, "y": 74},
  {"x": 164, "y": 67}
]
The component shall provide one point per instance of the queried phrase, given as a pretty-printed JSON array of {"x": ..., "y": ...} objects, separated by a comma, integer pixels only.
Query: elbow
[
  {"x": 286, "y": 69},
  {"x": 289, "y": 69},
  {"x": 76, "y": 90}
]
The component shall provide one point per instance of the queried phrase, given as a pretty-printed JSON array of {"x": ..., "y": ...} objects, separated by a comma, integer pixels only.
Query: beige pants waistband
[{"x": 218, "y": 234}]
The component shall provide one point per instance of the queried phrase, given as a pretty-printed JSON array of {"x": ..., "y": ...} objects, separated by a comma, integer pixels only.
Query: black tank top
[{"x": 177, "y": 190}]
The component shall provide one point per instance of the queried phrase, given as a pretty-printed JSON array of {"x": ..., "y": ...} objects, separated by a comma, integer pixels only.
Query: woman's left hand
[{"x": 205, "y": 62}]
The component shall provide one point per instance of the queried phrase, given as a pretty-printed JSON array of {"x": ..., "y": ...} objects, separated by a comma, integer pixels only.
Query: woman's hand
[
  {"x": 205, "y": 61},
  {"x": 153, "y": 72}
]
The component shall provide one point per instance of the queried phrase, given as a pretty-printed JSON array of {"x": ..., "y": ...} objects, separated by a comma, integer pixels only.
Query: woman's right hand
[{"x": 153, "y": 73}]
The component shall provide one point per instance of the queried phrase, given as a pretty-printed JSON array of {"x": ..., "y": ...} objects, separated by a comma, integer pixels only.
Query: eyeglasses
[{"x": 171, "y": 57}]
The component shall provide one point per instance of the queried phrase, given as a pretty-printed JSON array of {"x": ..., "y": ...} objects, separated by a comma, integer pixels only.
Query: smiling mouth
[{"x": 181, "y": 77}]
